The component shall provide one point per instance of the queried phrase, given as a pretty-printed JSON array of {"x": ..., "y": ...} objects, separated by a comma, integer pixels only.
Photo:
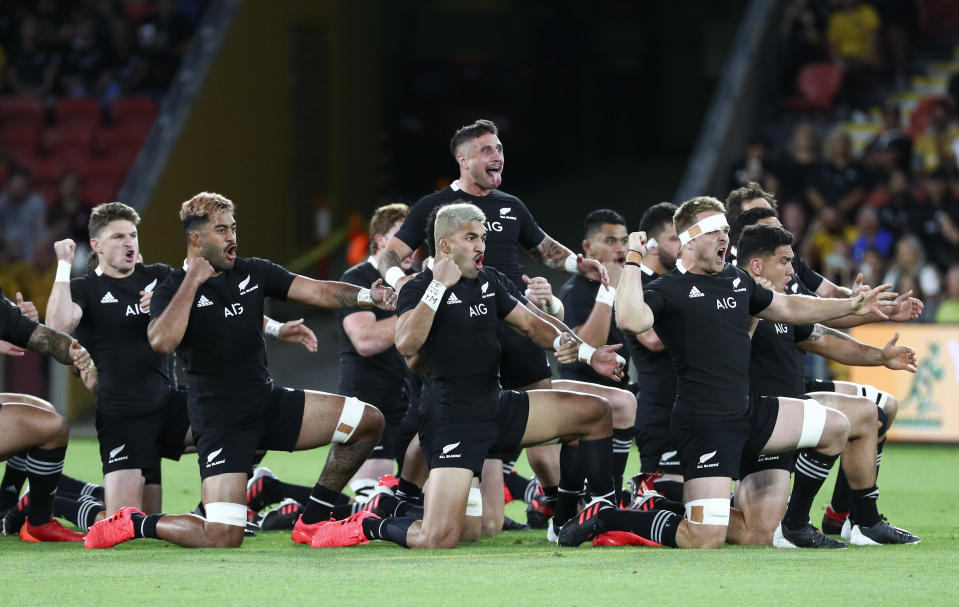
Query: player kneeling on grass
[
  {"x": 448, "y": 318},
  {"x": 213, "y": 311}
]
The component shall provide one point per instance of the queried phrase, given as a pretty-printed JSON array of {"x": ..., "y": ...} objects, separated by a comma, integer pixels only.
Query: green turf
[{"x": 919, "y": 492}]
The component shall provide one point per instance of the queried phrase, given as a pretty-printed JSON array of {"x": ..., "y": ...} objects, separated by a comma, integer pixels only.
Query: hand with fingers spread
[
  {"x": 877, "y": 300},
  {"x": 905, "y": 308},
  {"x": 295, "y": 332},
  {"x": 899, "y": 358},
  {"x": 607, "y": 362}
]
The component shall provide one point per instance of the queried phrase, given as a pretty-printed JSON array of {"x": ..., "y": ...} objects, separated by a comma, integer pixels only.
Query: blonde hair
[
  {"x": 450, "y": 217},
  {"x": 384, "y": 218},
  {"x": 685, "y": 216},
  {"x": 196, "y": 211}
]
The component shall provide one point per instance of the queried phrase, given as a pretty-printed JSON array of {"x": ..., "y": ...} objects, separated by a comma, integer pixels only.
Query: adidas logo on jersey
[
  {"x": 203, "y": 302},
  {"x": 694, "y": 292},
  {"x": 453, "y": 299},
  {"x": 108, "y": 298}
]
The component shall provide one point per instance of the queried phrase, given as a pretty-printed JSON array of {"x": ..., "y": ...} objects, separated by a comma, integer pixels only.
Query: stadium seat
[
  {"x": 75, "y": 136},
  {"x": 24, "y": 111},
  {"x": 98, "y": 190},
  {"x": 133, "y": 109},
  {"x": 71, "y": 158},
  {"x": 127, "y": 136},
  {"x": 78, "y": 110},
  {"x": 818, "y": 83},
  {"x": 919, "y": 120},
  {"x": 20, "y": 139},
  {"x": 43, "y": 171}
]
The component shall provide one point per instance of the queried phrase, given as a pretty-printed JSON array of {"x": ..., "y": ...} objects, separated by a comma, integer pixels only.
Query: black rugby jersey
[
  {"x": 114, "y": 330},
  {"x": 579, "y": 296},
  {"x": 14, "y": 326},
  {"x": 654, "y": 370},
  {"x": 776, "y": 364},
  {"x": 704, "y": 321},
  {"x": 367, "y": 376},
  {"x": 508, "y": 224},
  {"x": 462, "y": 351},
  {"x": 223, "y": 345}
]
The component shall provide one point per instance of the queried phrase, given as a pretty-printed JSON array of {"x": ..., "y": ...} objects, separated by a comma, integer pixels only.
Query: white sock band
[
  {"x": 63, "y": 271},
  {"x": 393, "y": 275},
  {"x": 226, "y": 513},
  {"x": 349, "y": 419},
  {"x": 813, "y": 423},
  {"x": 434, "y": 294},
  {"x": 710, "y": 511},
  {"x": 710, "y": 224},
  {"x": 570, "y": 264},
  {"x": 272, "y": 327},
  {"x": 474, "y": 503},
  {"x": 606, "y": 296}
]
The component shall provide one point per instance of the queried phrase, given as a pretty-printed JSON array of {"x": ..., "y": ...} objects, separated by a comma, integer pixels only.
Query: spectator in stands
[
  {"x": 796, "y": 170},
  {"x": 83, "y": 71},
  {"x": 794, "y": 218},
  {"x": 873, "y": 267},
  {"x": 130, "y": 68},
  {"x": 891, "y": 148},
  {"x": 871, "y": 236},
  {"x": 754, "y": 167},
  {"x": 910, "y": 282},
  {"x": 69, "y": 214},
  {"x": 911, "y": 261},
  {"x": 852, "y": 33},
  {"x": 895, "y": 202},
  {"x": 935, "y": 147},
  {"x": 935, "y": 218},
  {"x": 804, "y": 41},
  {"x": 33, "y": 67},
  {"x": 900, "y": 25},
  {"x": 22, "y": 216},
  {"x": 828, "y": 237},
  {"x": 840, "y": 182},
  {"x": 948, "y": 310},
  {"x": 164, "y": 37}
]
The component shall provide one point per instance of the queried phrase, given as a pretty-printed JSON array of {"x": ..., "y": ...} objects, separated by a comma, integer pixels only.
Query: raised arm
[
  {"x": 413, "y": 326},
  {"x": 389, "y": 263},
  {"x": 166, "y": 331},
  {"x": 632, "y": 313},
  {"x": 338, "y": 295},
  {"x": 62, "y": 313},
  {"x": 558, "y": 257},
  {"x": 848, "y": 350}
]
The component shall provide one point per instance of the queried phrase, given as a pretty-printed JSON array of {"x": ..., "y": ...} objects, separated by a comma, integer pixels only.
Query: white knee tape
[
  {"x": 874, "y": 394},
  {"x": 711, "y": 511},
  {"x": 813, "y": 423},
  {"x": 226, "y": 513},
  {"x": 474, "y": 503},
  {"x": 349, "y": 419}
]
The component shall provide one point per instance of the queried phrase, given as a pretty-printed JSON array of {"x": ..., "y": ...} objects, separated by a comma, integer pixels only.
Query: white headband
[{"x": 709, "y": 224}]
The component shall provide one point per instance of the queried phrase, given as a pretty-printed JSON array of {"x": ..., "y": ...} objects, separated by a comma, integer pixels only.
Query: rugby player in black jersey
[
  {"x": 776, "y": 368},
  {"x": 370, "y": 367},
  {"x": 39, "y": 431},
  {"x": 701, "y": 312},
  {"x": 446, "y": 322},
  {"x": 659, "y": 458},
  {"x": 479, "y": 154},
  {"x": 588, "y": 310},
  {"x": 213, "y": 311}
]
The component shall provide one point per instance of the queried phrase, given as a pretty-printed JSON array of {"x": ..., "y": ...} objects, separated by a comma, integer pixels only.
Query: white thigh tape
[
  {"x": 474, "y": 503},
  {"x": 226, "y": 513},
  {"x": 813, "y": 423},
  {"x": 711, "y": 511},
  {"x": 349, "y": 419}
]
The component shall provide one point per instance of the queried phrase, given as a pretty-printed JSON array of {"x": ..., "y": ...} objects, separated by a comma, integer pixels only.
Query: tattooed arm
[
  {"x": 849, "y": 351},
  {"x": 337, "y": 295},
  {"x": 558, "y": 257},
  {"x": 49, "y": 342},
  {"x": 396, "y": 251}
]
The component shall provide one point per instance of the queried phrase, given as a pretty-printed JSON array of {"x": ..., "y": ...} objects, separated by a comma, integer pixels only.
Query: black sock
[
  {"x": 812, "y": 468},
  {"x": 44, "y": 467},
  {"x": 70, "y": 486},
  {"x": 282, "y": 491},
  {"x": 622, "y": 443},
  {"x": 669, "y": 488},
  {"x": 81, "y": 512},
  {"x": 659, "y": 526},
  {"x": 570, "y": 485},
  {"x": 596, "y": 457},
  {"x": 516, "y": 484},
  {"x": 508, "y": 466},
  {"x": 841, "y": 500},
  {"x": 13, "y": 479},
  {"x": 319, "y": 504},
  {"x": 879, "y": 447},
  {"x": 389, "y": 529},
  {"x": 408, "y": 491},
  {"x": 864, "y": 510},
  {"x": 342, "y": 511},
  {"x": 145, "y": 525}
]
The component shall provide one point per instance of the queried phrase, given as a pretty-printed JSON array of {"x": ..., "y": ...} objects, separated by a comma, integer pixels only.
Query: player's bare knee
[
  {"x": 835, "y": 434},
  {"x": 708, "y": 537},
  {"x": 372, "y": 423},
  {"x": 600, "y": 416},
  {"x": 623, "y": 406},
  {"x": 223, "y": 536},
  {"x": 358, "y": 421},
  {"x": 55, "y": 431},
  {"x": 891, "y": 408}
]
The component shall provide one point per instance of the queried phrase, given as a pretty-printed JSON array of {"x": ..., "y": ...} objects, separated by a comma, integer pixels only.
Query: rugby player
[{"x": 212, "y": 309}]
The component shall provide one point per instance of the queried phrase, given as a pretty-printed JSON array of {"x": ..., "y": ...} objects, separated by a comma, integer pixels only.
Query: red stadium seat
[
  {"x": 74, "y": 136},
  {"x": 78, "y": 110},
  {"x": 127, "y": 136},
  {"x": 44, "y": 171},
  {"x": 134, "y": 109},
  {"x": 97, "y": 190},
  {"x": 20, "y": 138},
  {"x": 71, "y": 158},
  {"x": 818, "y": 84},
  {"x": 24, "y": 111},
  {"x": 919, "y": 120}
]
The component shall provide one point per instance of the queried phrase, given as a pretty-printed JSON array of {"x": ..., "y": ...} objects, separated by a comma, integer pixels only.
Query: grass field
[{"x": 920, "y": 491}]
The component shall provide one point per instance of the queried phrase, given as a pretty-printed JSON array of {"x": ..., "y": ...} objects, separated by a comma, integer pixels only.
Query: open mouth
[
  {"x": 130, "y": 255},
  {"x": 231, "y": 252},
  {"x": 721, "y": 255},
  {"x": 495, "y": 174},
  {"x": 620, "y": 260},
  {"x": 478, "y": 262}
]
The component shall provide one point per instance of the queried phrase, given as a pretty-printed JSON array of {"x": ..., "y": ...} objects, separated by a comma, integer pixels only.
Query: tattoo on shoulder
[{"x": 552, "y": 253}]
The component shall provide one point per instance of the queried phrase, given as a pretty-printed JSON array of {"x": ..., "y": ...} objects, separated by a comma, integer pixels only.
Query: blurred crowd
[{"x": 870, "y": 184}]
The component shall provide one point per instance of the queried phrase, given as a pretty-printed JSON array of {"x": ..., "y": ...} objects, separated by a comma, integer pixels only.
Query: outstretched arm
[
  {"x": 802, "y": 309},
  {"x": 558, "y": 257},
  {"x": 850, "y": 351},
  {"x": 337, "y": 295}
]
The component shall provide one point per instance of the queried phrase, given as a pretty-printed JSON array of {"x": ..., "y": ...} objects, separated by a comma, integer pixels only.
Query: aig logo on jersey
[
  {"x": 781, "y": 329},
  {"x": 478, "y": 310},
  {"x": 232, "y": 310},
  {"x": 725, "y": 303}
]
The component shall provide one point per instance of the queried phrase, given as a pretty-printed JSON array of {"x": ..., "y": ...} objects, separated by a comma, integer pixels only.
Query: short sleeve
[
  {"x": 759, "y": 296},
  {"x": 655, "y": 300},
  {"x": 278, "y": 279},
  {"x": 412, "y": 292},
  {"x": 810, "y": 278},
  {"x": 413, "y": 230},
  {"x": 14, "y": 326},
  {"x": 163, "y": 294},
  {"x": 516, "y": 293},
  {"x": 78, "y": 291},
  {"x": 802, "y": 332},
  {"x": 530, "y": 234},
  {"x": 578, "y": 301},
  {"x": 505, "y": 302}
]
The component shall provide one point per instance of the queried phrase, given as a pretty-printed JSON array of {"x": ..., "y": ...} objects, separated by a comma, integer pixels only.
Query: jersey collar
[
  {"x": 648, "y": 271},
  {"x": 371, "y": 260},
  {"x": 680, "y": 266},
  {"x": 455, "y": 186},
  {"x": 98, "y": 271}
]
